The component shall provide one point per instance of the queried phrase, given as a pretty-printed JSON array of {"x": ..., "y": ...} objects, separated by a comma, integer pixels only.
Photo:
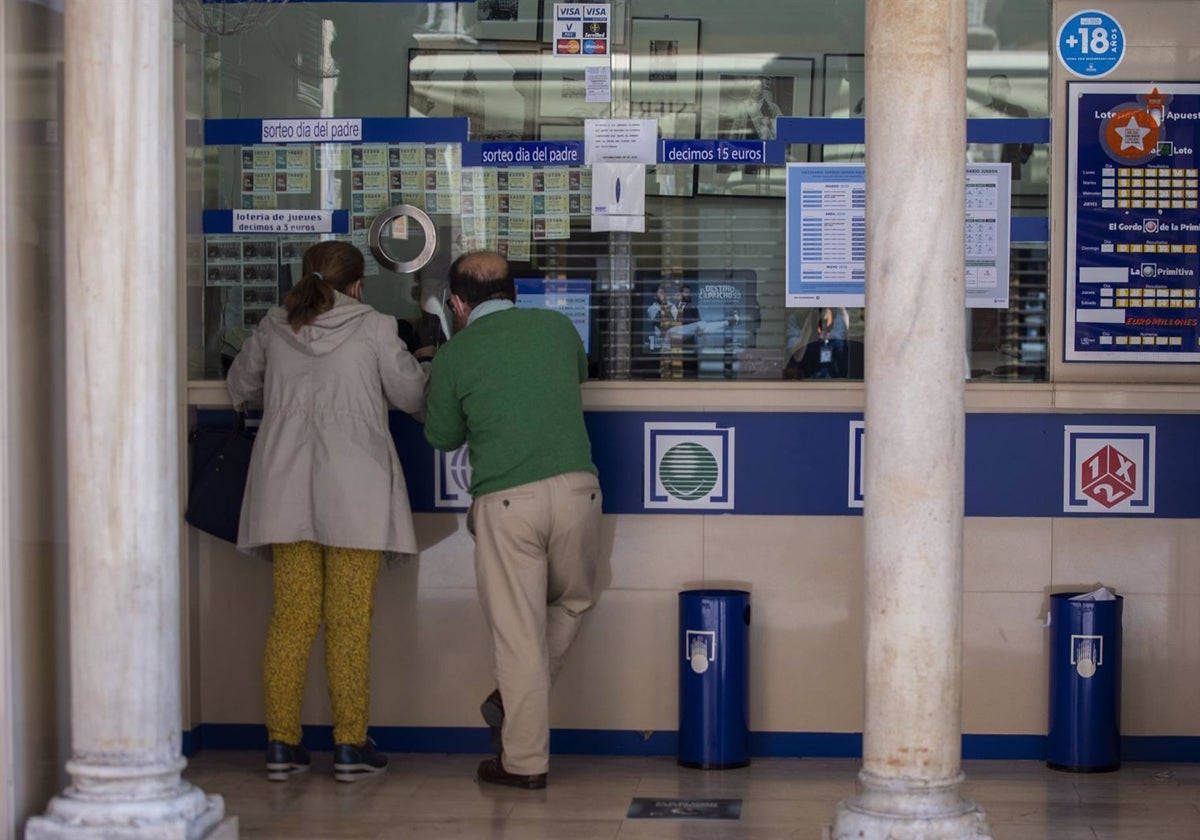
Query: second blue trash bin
[
  {"x": 714, "y": 685},
  {"x": 1085, "y": 684}
]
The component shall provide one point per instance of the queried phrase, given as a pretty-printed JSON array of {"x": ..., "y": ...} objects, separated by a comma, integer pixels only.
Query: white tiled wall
[{"x": 431, "y": 658}]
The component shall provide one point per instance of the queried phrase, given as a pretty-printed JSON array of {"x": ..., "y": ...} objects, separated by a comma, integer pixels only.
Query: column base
[
  {"x": 189, "y": 815},
  {"x": 906, "y": 809}
]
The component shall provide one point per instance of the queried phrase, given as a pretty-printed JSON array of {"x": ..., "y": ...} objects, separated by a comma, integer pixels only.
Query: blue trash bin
[
  {"x": 1085, "y": 684},
  {"x": 714, "y": 685}
]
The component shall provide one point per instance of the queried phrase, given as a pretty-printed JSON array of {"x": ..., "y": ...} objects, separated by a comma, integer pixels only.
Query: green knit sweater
[{"x": 508, "y": 386}]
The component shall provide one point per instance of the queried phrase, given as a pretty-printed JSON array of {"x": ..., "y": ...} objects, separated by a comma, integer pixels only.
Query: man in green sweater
[{"x": 508, "y": 386}]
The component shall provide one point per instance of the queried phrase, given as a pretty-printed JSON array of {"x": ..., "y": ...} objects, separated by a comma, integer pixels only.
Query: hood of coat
[{"x": 328, "y": 331}]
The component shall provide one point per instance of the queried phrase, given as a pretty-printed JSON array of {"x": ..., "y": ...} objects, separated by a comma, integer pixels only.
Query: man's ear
[{"x": 459, "y": 306}]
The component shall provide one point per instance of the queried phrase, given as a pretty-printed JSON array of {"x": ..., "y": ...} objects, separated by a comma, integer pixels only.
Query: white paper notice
[
  {"x": 618, "y": 189},
  {"x": 599, "y": 83},
  {"x": 620, "y": 141}
]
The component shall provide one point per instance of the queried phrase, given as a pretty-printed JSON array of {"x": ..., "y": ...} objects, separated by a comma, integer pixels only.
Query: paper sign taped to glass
[{"x": 619, "y": 197}]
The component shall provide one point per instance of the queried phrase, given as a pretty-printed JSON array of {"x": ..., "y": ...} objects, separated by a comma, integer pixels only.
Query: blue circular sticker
[{"x": 1091, "y": 44}]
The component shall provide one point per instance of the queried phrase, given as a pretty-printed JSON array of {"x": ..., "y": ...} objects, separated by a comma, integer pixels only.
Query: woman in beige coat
[{"x": 325, "y": 493}]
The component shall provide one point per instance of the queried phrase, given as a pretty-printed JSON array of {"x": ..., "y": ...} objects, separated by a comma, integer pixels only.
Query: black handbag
[{"x": 220, "y": 463}]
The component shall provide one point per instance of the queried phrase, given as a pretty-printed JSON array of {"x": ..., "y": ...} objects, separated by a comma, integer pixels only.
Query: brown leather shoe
[{"x": 493, "y": 772}]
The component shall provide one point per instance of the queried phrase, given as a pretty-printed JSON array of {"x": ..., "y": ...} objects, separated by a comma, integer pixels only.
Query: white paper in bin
[{"x": 1101, "y": 594}]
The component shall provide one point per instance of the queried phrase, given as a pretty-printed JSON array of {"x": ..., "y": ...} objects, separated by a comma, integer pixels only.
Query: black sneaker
[
  {"x": 352, "y": 762},
  {"x": 492, "y": 710},
  {"x": 286, "y": 760}
]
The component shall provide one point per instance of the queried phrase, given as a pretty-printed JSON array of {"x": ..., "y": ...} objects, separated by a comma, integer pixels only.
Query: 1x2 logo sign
[{"x": 1108, "y": 469}]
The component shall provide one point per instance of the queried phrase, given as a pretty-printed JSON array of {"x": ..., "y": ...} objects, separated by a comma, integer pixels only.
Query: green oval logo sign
[{"x": 688, "y": 471}]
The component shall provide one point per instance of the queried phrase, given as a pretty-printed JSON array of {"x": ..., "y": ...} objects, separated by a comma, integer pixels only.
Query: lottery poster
[{"x": 1133, "y": 271}]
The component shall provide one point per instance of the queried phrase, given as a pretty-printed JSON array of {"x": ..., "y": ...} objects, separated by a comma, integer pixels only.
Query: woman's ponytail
[
  {"x": 308, "y": 299},
  {"x": 328, "y": 267}
]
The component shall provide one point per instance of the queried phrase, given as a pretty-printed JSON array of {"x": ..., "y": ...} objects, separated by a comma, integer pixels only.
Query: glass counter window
[{"x": 699, "y": 295}]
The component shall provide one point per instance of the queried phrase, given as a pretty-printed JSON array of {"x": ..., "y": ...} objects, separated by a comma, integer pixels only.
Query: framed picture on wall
[
  {"x": 664, "y": 66},
  {"x": 616, "y": 21},
  {"x": 743, "y": 96},
  {"x": 496, "y": 91},
  {"x": 501, "y": 20},
  {"x": 845, "y": 89}
]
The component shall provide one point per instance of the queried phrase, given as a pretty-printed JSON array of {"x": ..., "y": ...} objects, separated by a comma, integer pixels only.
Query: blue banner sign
[
  {"x": 820, "y": 130},
  {"x": 735, "y": 152},
  {"x": 247, "y": 132},
  {"x": 1017, "y": 465},
  {"x": 531, "y": 153},
  {"x": 276, "y": 221}
]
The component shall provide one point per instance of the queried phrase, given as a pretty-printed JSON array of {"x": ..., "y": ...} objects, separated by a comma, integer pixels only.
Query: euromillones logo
[{"x": 688, "y": 466}]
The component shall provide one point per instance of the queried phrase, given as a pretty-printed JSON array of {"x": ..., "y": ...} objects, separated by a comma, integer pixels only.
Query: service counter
[{"x": 783, "y": 521}]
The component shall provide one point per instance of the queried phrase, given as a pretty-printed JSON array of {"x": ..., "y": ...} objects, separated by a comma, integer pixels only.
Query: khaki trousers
[{"x": 536, "y": 548}]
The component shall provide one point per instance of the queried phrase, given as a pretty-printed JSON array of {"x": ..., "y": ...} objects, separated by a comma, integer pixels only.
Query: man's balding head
[{"x": 480, "y": 276}]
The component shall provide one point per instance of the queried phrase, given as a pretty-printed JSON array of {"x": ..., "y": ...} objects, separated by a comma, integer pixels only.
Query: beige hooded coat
[{"x": 324, "y": 466}]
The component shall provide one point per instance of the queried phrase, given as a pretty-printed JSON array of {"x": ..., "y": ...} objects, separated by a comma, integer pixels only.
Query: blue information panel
[
  {"x": 570, "y": 297},
  {"x": 1091, "y": 44},
  {"x": 826, "y": 249},
  {"x": 1133, "y": 271}
]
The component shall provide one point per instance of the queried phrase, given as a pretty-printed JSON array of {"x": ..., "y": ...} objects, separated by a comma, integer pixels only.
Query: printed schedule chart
[{"x": 827, "y": 235}]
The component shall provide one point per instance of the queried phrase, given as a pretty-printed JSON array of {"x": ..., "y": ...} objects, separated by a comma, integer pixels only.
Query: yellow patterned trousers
[{"x": 314, "y": 582}]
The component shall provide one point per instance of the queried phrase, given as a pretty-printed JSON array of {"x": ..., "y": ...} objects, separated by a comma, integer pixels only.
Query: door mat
[{"x": 646, "y": 808}]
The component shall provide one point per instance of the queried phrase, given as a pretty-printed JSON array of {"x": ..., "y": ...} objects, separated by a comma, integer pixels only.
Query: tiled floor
[{"x": 435, "y": 796}]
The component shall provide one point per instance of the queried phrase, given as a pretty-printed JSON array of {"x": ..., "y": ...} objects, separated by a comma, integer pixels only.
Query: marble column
[
  {"x": 914, "y": 444},
  {"x": 122, "y": 441}
]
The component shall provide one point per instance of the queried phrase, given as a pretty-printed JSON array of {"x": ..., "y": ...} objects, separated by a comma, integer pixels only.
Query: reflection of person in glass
[
  {"x": 999, "y": 90},
  {"x": 687, "y": 313},
  {"x": 818, "y": 345},
  {"x": 677, "y": 333},
  {"x": 660, "y": 316}
]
